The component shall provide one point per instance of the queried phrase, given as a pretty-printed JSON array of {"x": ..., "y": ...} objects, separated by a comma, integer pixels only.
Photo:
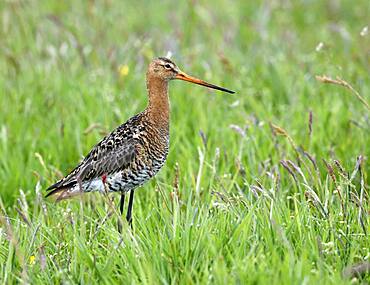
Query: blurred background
[{"x": 70, "y": 71}]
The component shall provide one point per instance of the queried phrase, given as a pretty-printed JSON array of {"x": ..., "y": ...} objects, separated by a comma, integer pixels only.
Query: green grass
[{"x": 262, "y": 201}]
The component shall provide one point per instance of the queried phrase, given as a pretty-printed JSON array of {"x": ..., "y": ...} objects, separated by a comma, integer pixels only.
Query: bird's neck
[{"x": 159, "y": 106}]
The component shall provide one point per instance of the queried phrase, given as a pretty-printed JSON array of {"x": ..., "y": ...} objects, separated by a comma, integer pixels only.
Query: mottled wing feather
[
  {"x": 104, "y": 159},
  {"x": 108, "y": 162}
]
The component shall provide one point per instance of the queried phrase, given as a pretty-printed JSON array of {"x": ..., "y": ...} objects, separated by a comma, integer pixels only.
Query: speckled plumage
[{"x": 123, "y": 160}]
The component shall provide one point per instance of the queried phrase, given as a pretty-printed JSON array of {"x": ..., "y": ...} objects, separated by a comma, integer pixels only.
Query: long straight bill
[{"x": 183, "y": 76}]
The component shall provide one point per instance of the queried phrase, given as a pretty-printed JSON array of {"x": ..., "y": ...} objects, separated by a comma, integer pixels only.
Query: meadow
[{"x": 266, "y": 186}]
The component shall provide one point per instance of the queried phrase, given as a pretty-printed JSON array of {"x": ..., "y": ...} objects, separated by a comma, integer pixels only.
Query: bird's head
[{"x": 165, "y": 69}]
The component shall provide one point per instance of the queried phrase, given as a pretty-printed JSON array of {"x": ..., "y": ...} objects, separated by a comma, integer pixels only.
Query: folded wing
[{"x": 104, "y": 159}]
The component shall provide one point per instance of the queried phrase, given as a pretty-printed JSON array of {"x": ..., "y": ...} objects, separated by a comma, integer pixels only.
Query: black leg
[
  {"x": 129, "y": 210},
  {"x": 122, "y": 203}
]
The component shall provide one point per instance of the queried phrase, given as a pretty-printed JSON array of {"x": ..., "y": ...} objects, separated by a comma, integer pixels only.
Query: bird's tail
[{"x": 63, "y": 193}]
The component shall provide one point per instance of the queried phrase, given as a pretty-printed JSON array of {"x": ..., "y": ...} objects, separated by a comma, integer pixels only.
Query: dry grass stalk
[
  {"x": 341, "y": 82},
  {"x": 336, "y": 186},
  {"x": 310, "y": 120},
  {"x": 286, "y": 166},
  {"x": 24, "y": 217},
  {"x": 281, "y": 132},
  {"x": 175, "y": 193},
  {"x": 312, "y": 159},
  {"x": 95, "y": 126}
]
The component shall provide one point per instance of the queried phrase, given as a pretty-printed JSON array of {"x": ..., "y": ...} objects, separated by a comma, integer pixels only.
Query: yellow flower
[
  {"x": 32, "y": 259},
  {"x": 123, "y": 70}
]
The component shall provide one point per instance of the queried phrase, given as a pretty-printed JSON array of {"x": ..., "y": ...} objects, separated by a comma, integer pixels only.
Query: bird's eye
[{"x": 167, "y": 66}]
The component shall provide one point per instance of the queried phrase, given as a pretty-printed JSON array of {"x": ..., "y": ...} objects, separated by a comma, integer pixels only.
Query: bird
[{"x": 136, "y": 150}]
